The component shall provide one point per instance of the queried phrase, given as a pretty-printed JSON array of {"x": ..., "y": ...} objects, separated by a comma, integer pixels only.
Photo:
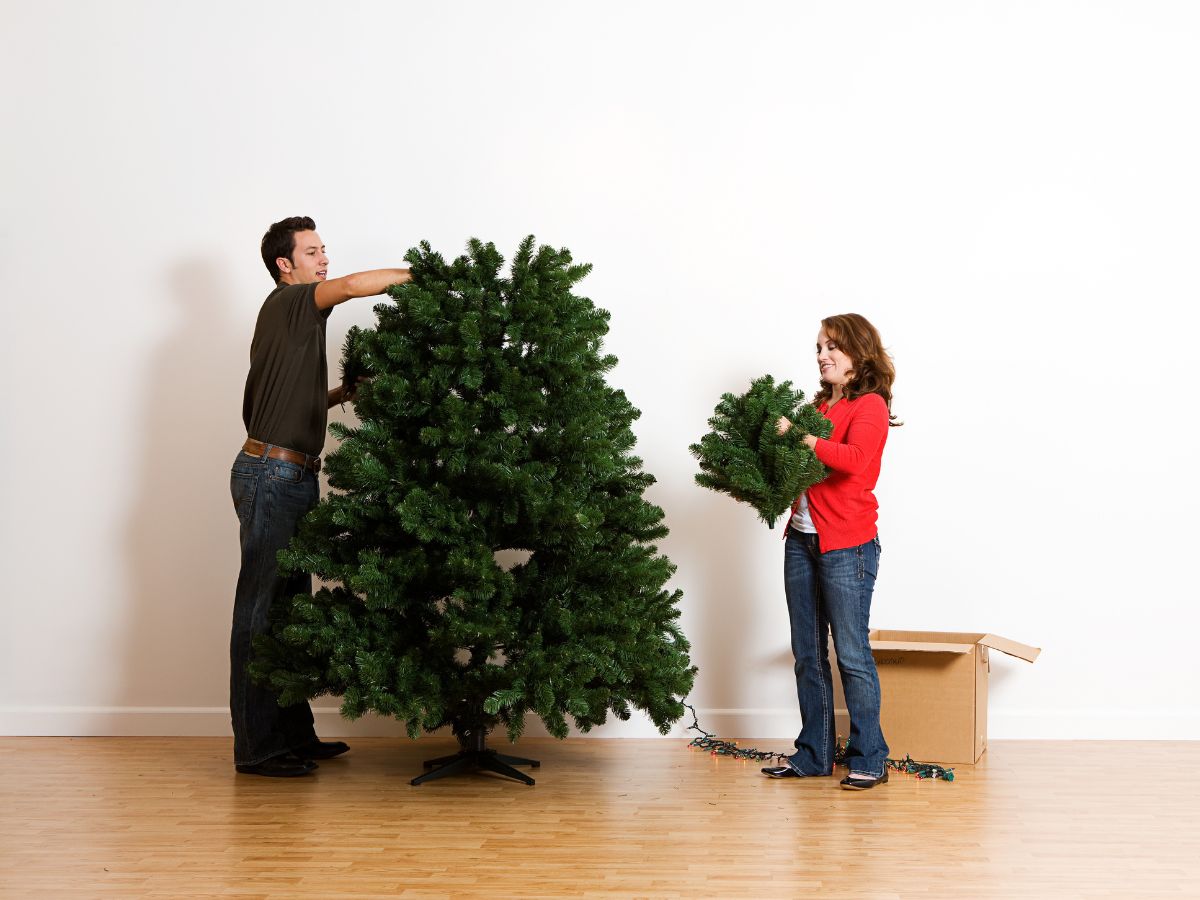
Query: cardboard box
[{"x": 934, "y": 690}]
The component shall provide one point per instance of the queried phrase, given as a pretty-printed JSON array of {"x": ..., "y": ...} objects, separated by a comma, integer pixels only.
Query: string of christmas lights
[{"x": 718, "y": 747}]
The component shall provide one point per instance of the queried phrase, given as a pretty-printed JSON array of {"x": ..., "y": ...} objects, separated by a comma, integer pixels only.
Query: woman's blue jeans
[
  {"x": 270, "y": 497},
  {"x": 831, "y": 592}
]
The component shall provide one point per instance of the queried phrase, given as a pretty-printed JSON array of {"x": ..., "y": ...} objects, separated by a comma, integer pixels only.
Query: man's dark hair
[{"x": 280, "y": 240}]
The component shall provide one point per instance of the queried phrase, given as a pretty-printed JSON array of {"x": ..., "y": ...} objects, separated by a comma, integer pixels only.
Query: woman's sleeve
[{"x": 863, "y": 437}]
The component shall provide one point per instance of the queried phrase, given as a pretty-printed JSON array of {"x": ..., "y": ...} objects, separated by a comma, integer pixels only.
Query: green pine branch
[{"x": 745, "y": 456}]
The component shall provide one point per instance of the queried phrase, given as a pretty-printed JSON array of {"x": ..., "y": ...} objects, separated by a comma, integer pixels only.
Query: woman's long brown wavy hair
[{"x": 873, "y": 372}]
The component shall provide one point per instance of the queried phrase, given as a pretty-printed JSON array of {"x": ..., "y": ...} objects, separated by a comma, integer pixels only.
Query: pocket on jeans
[
  {"x": 285, "y": 471},
  {"x": 241, "y": 487}
]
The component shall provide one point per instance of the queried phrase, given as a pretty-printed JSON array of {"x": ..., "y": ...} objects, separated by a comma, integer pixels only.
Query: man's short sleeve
[{"x": 300, "y": 302}]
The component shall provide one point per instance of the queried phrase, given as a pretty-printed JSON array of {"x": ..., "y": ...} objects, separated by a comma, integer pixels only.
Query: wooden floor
[{"x": 168, "y": 818}]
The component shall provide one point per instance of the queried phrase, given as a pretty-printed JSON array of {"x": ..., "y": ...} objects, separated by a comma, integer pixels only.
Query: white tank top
[{"x": 801, "y": 520}]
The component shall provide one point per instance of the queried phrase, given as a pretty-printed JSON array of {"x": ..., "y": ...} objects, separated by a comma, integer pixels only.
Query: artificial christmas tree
[
  {"x": 486, "y": 425},
  {"x": 745, "y": 456}
]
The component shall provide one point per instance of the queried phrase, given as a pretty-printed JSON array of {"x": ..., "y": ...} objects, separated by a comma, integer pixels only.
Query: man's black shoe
[
  {"x": 286, "y": 765},
  {"x": 322, "y": 749}
]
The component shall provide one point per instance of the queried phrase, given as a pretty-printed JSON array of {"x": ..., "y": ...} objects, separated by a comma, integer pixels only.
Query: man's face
[{"x": 308, "y": 263}]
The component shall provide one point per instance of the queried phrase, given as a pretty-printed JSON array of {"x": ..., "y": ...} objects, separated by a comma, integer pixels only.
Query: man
[{"x": 274, "y": 478}]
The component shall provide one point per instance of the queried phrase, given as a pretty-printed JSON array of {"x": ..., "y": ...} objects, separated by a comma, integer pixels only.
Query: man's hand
[
  {"x": 342, "y": 393},
  {"x": 351, "y": 391}
]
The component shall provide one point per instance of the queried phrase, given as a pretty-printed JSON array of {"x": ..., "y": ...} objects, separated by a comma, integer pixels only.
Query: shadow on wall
[
  {"x": 716, "y": 564},
  {"x": 181, "y": 542}
]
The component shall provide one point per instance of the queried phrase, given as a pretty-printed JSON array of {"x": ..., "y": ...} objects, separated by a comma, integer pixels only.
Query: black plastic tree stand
[{"x": 474, "y": 755}]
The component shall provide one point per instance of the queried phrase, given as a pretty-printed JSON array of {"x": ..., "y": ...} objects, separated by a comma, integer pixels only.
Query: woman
[{"x": 832, "y": 556}]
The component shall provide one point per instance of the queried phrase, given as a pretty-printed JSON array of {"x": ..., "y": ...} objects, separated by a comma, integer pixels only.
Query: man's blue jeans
[
  {"x": 270, "y": 497},
  {"x": 832, "y": 592}
]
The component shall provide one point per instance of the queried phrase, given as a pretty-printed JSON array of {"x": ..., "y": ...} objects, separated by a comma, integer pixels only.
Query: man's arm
[{"x": 360, "y": 284}]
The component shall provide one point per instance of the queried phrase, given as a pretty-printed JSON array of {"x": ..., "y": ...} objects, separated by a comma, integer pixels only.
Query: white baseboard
[
  {"x": 767, "y": 724},
  {"x": 167, "y": 721},
  {"x": 202, "y": 721}
]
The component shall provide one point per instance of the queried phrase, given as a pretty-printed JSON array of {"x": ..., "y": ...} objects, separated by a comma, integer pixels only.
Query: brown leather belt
[{"x": 258, "y": 448}]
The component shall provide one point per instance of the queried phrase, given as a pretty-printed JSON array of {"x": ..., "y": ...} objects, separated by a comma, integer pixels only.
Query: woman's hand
[{"x": 784, "y": 425}]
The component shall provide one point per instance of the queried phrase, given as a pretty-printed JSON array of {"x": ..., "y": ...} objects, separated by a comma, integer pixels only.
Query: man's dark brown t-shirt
[{"x": 287, "y": 390}]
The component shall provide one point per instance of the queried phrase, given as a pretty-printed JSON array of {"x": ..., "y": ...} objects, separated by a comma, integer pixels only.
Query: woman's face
[{"x": 835, "y": 365}]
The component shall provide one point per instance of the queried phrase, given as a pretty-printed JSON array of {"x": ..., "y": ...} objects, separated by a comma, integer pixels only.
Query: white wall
[{"x": 1009, "y": 190}]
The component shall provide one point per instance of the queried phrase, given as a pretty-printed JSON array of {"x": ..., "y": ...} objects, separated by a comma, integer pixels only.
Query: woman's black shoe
[
  {"x": 286, "y": 765},
  {"x": 856, "y": 781},
  {"x": 781, "y": 772}
]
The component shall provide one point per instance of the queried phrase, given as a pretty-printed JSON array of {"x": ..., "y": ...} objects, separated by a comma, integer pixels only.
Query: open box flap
[{"x": 1012, "y": 648}]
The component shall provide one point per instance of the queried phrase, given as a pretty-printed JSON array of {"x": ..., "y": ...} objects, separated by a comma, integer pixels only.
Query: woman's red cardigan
[{"x": 843, "y": 506}]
